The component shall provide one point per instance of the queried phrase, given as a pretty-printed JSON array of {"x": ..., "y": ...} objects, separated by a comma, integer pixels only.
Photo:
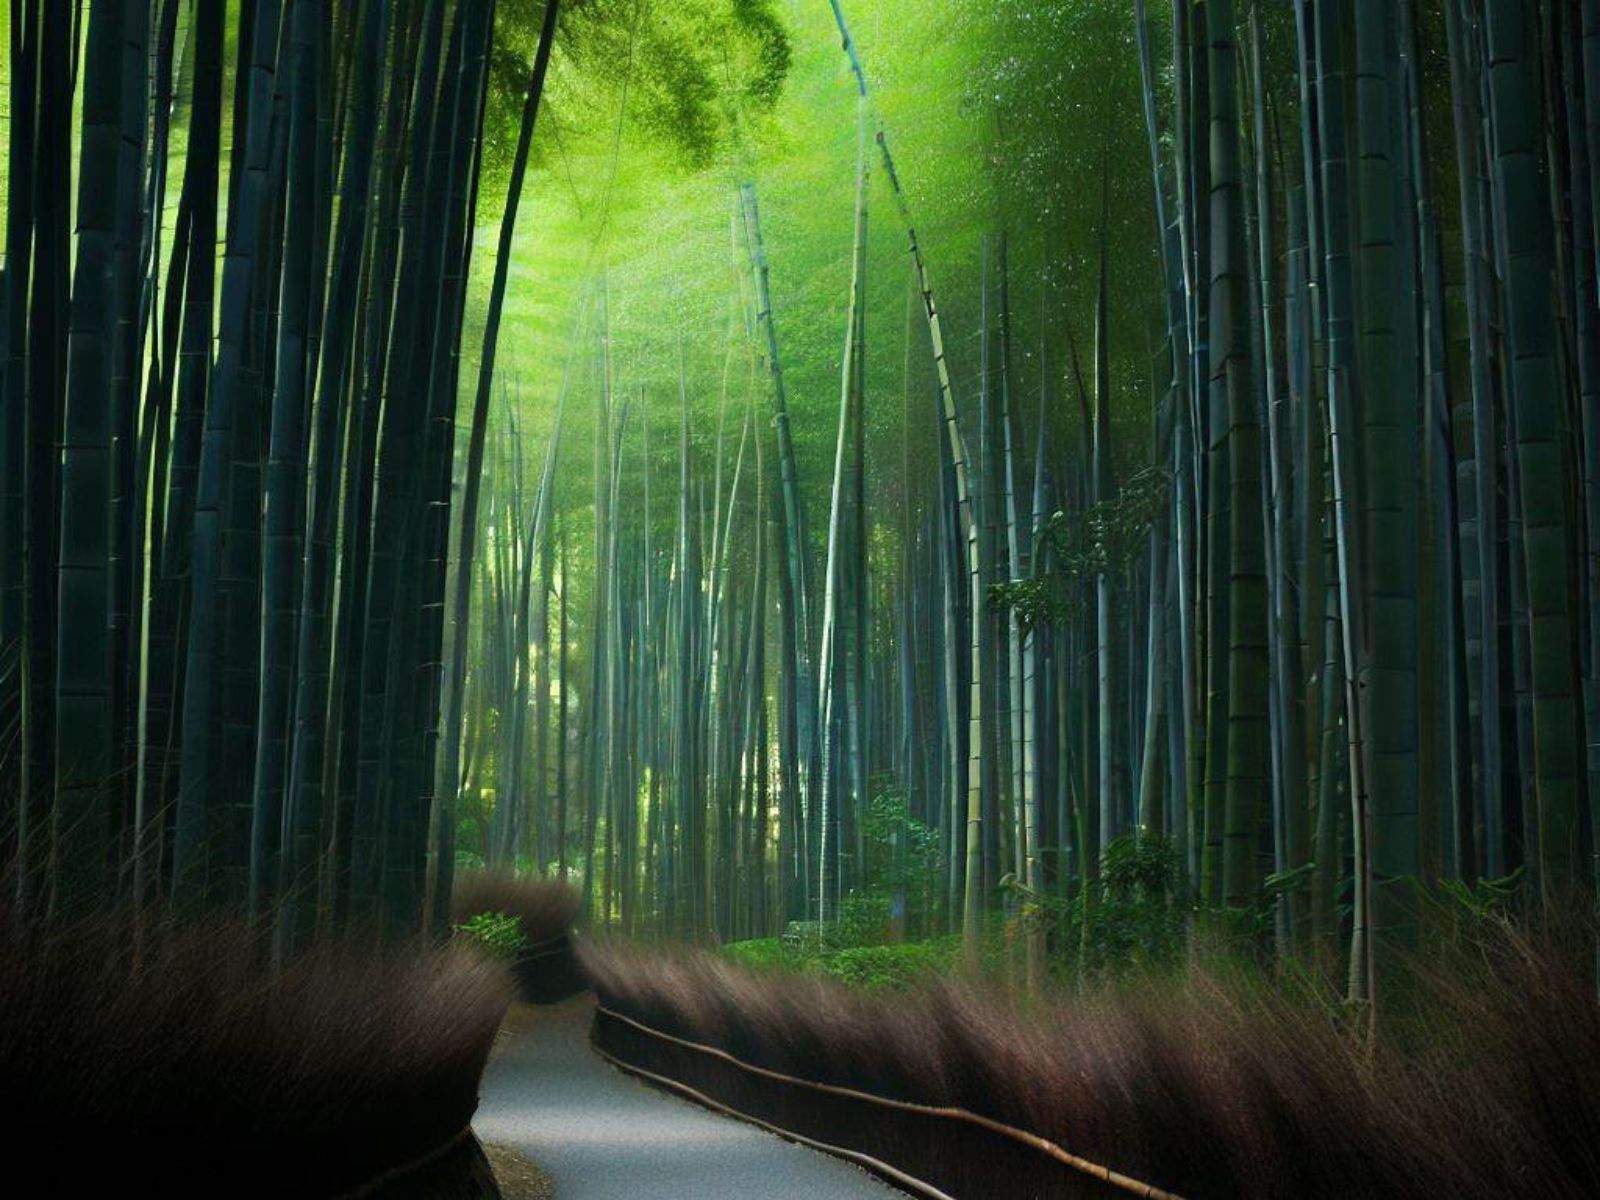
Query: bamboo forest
[{"x": 801, "y": 598}]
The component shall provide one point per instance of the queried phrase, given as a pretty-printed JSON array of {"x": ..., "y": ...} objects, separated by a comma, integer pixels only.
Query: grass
[
  {"x": 147, "y": 1055},
  {"x": 1482, "y": 1083}
]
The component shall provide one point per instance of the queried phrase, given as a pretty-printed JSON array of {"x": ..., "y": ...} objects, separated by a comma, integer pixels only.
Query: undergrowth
[
  {"x": 873, "y": 967},
  {"x": 145, "y": 1055},
  {"x": 546, "y": 908},
  {"x": 1210, "y": 1081},
  {"x": 497, "y": 934}
]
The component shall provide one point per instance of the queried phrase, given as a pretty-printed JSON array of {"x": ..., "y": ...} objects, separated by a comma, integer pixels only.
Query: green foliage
[
  {"x": 694, "y": 69},
  {"x": 498, "y": 934},
  {"x": 1053, "y": 125},
  {"x": 474, "y": 813},
  {"x": 802, "y": 936},
  {"x": 764, "y": 953},
  {"x": 1285, "y": 883},
  {"x": 1137, "y": 916},
  {"x": 863, "y": 921},
  {"x": 887, "y": 967},
  {"x": 1463, "y": 903},
  {"x": 1107, "y": 539},
  {"x": 901, "y": 851},
  {"x": 1140, "y": 870},
  {"x": 667, "y": 233},
  {"x": 903, "y": 866},
  {"x": 516, "y": 39},
  {"x": 764, "y": 43},
  {"x": 863, "y": 966},
  {"x": 1132, "y": 916},
  {"x": 903, "y": 863}
]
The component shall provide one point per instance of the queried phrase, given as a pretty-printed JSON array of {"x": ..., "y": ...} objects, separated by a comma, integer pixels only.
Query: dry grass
[
  {"x": 1487, "y": 1084},
  {"x": 151, "y": 1056},
  {"x": 546, "y": 907}
]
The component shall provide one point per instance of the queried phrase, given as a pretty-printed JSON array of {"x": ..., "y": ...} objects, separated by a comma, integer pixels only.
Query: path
[{"x": 603, "y": 1135}]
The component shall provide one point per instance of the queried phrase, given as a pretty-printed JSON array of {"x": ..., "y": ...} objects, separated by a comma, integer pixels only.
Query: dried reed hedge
[
  {"x": 141, "y": 1055},
  {"x": 1483, "y": 1082}
]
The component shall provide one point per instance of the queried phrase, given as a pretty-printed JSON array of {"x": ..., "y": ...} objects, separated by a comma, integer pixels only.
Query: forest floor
[{"x": 601, "y": 1135}]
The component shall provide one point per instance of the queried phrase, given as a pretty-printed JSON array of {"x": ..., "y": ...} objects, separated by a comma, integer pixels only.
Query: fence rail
[{"x": 938, "y": 1153}]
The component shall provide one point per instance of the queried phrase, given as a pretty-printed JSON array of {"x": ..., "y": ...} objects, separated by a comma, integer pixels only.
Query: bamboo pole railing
[{"x": 972, "y": 1155}]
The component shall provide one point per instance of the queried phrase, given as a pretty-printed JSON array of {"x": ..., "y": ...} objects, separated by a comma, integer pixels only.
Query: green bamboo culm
[
  {"x": 207, "y": 826},
  {"x": 1390, "y": 447},
  {"x": 1534, "y": 395},
  {"x": 82, "y": 814},
  {"x": 1232, "y": 400}
]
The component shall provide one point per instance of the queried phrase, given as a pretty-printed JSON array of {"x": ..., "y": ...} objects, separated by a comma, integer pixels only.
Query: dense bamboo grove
[
  {"x": 1324, "y": 630},
  {"x": 237, "y": 242},
  {"x": 1188, "y": 449}
]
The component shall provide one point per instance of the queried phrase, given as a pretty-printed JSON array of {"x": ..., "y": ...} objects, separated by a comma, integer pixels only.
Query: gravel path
[{"x": 602, "y": 1135}]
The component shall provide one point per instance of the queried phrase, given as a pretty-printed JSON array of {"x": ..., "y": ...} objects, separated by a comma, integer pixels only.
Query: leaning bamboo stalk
[
  {"x": 967, "y": 531},
  {"x": 475, "y": 450},
  {"x": 833, "y": 646}
]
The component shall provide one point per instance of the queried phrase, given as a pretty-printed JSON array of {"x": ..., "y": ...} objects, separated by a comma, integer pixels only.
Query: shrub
[
  {"x": 499, "y": 934},
  {"x": 881, "y": 967},
  {"x": 863, "y": 921},
  {"x": 874, "y": 967},
  {"x": 904, "y": 859},
  {"x": 1133, "y": 915},
  {"x": 145, "y": 1055},
  {"x": 761, "y": 953},
  {"x": 546, "y": 907}
]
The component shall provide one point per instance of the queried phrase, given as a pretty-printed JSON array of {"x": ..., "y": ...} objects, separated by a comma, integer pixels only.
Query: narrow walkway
[{"x": 605, "y": 1136}]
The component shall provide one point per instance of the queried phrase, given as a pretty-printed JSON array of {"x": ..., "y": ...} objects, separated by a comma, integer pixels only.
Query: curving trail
[{"x": 604, "y": 1136}]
